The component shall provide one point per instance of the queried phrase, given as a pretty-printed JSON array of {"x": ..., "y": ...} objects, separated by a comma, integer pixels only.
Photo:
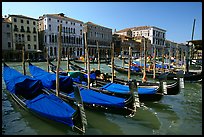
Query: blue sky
[{"x": 175, "y": 17}]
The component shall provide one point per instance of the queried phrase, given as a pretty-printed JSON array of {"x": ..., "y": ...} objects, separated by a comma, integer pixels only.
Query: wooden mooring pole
[
  {"x": 23, "y": 60},
  {"x": 98, "y": 50},
  {"x": 58, "y": 59}
]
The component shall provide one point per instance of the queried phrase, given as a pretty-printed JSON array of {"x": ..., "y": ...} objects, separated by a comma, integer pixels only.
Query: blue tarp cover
[
  {"x": 52, "y": 107},
  {"x": 93, "y": 97},
  {"x": 49, "y": 79},
  {"x": 48, "y": 106},
  {"x": 119, "y": 88},
  {"x": 88, "y": 96},
  {"x": 17, "y": 83}
]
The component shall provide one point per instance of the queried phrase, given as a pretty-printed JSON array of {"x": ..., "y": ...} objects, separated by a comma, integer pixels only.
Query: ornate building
[{"x": 72, "y": 34}]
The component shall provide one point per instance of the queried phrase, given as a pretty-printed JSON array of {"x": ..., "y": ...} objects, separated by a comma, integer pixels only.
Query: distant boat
[
  {"x": 30, "y": 94},
  {"x": 92, "y": 61}
]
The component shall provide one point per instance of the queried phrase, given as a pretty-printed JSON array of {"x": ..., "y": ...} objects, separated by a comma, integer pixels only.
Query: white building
[
  {"x": 156, "y": 35},
  {"x": 72, "y": 34}
]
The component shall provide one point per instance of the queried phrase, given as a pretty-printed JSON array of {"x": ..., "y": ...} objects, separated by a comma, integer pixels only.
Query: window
[
  {"x": 15, "y": 20},
  {"x": 28, "y": 29},
  {"x": 34, "y": 38},
  {"x": 33, "y": 22},
  {"x": 49, "y": 19},
  {"x": 7, "y": 25},
  {"x": 58, "y": 28},
  {"x": 57, "y": 20},
  {"x": 15, "y": 28},
  {"x": 74, "y": 30},
  {"x": 28, "y": 46},
  {"x": 22, "y": 29},
  {"x": 34, "y": 30},
  {"x": 28, "y": 37},
  {"x": 49, "y": 27},
  {"x": 21, "y": 21},
  {"x": 9, "y": 44},
  {"x": 35, "y": 46},
  {"x": 27, "y": 21},
  {"x": 50, "y": 38}
]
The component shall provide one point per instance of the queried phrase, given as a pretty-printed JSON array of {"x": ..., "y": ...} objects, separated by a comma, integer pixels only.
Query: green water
[{"x": 173, "y": 115}]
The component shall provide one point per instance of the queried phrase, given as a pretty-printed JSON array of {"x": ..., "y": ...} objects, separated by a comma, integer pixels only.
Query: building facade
[
  {"x": 24, "y": 33},
  {"x": 7, "y": 42},
  {"x": 156, "y": 35},
  {"x": 102, "y": 35},
  {"x": 72, "y": 35}
]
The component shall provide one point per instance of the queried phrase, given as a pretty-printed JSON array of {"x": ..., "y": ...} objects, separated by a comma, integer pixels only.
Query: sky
[{"x": 175, "y": 17}]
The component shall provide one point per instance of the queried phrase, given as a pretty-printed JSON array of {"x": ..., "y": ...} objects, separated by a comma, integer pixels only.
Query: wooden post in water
[
  {"x": 162, "y": 59},
  {"x": 98, "y": 49},
  {"x": 140, "y": 55},
  {"x": 123, "y": 58},
  {"x": 68, "y": 50},
  {"x": 129, "y": 63},
  {"x": 144, "y": 79},
  {"x": 177, "y": 55},
  {"x": 170, "y": 57},
  {"x": 182, "y": 55},
  {"x": 58, "y": 59},
  {"x": 23, "y": 60},
  {"x": 46, "y": 50},
  {"x": 184, "y": 63},
  {"x": 112, "y": 62},
  {"x": 154, "y": 63},
  {"x": 87, "y": 59}
]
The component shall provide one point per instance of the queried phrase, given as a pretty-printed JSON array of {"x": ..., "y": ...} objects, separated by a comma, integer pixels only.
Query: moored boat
[
  {"x": 30, "y": 95},
  {"x": 92, "y": 99}
]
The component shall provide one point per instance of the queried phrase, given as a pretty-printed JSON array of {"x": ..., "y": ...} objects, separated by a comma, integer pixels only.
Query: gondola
[
  {"x": 172, "y": 88},
  {"x": 30, "y": 95},
  {"x": 92, "y": 99},
  {"x": 145, "y": 93},
  {"x": 188, "y": 77}
]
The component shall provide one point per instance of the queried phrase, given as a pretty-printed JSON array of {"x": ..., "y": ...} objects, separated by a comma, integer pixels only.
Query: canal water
[{"x": 173, "y": 115}]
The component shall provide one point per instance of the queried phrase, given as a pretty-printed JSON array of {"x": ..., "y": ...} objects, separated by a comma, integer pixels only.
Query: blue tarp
[
  {"x": 48, "y": 106},
  {"x": 119, "y": 88},
  {"x": 93, "y": 97},
  {"x": 135, "y": 68},
  {"x": 17, "y": 83},
  {"x": 49, "y": 80},
  {"x": 88, "y": 96},
  {"x": 52, "y": 107}
]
